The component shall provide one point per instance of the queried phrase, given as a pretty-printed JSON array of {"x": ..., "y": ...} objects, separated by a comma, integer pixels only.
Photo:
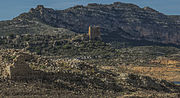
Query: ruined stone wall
[{"x": 20, "y": 69}]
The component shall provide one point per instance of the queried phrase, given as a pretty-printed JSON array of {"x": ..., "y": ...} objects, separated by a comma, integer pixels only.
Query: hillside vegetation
[
  {"x": 76, "y": 77},
  {"x": 47, "y": 53}
]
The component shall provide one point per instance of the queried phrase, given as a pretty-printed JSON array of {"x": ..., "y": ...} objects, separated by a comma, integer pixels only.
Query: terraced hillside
[{"x": 71, "y": 45}]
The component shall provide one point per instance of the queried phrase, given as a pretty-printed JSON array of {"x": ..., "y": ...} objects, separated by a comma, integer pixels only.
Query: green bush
[{"x": 67, "y": 46}]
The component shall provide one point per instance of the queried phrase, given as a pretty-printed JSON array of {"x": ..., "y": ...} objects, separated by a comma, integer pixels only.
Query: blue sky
[{"x": 12, "y": 8}]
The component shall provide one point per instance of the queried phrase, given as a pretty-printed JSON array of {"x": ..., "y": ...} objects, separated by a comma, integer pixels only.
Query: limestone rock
[{"x": 116, "y": 21}]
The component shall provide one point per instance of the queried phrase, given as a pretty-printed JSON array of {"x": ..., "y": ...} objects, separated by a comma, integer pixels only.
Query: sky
[{"x": 12, "y": 8}]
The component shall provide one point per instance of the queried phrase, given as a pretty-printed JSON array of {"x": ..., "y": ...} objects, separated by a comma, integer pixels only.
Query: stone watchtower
[{"x": 94, "y": 32}]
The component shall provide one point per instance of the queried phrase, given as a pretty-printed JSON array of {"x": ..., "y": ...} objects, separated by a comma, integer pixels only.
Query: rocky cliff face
[{"x": 117, "y": 21}]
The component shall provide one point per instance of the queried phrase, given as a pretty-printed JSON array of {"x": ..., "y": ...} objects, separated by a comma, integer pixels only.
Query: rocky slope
[
  {"x": 176, "y": 18},
  {"x": 73, "y": 76},
  {"x": 118, "y": 21},
  {"x": 28, "y": 26}
]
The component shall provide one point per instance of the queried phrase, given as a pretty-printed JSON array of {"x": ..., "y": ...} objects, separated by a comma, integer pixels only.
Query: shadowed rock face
[{"x": 116, "y": 20}]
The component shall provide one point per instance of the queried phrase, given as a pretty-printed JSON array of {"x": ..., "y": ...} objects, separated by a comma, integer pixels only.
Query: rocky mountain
[{"x": 117, "y": 21}]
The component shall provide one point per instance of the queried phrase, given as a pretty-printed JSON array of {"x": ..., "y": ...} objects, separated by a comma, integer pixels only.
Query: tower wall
[{"x": 94, "y": 32}]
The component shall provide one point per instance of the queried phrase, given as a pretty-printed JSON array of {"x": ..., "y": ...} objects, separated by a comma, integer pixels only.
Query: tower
[{"x": 94, "y": 32}]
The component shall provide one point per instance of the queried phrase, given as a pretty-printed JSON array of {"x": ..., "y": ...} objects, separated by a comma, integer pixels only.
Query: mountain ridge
[{"x": 117, "y": 21}]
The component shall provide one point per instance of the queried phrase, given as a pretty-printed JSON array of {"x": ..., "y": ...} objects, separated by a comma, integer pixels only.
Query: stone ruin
[
  {"x": 21, "y": 65},
  {"x": 94, "y": 32},
  {"x": 18, "y": 68}
]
